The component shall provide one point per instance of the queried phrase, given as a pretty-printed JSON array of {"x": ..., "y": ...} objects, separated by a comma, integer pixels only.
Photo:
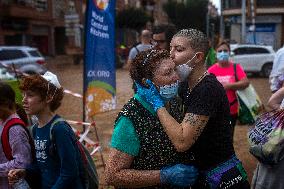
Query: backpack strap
[
  {"x": 236, "y": 78},
  {"x": 88, "y": 164},
  {"x": 137, "y": 49},
  {"x": 235, "y": 72},
  {"x": 5, "y": 136},
  {"x": 57, "y": 120},
  {"x": 52, "y": 148}
]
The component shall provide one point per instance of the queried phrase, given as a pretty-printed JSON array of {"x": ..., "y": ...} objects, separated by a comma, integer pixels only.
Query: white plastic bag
[{"x": 250, "y": 105}]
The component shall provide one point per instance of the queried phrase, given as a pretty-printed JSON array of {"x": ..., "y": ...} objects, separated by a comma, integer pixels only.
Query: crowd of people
[{"x": 175, "y": 132}]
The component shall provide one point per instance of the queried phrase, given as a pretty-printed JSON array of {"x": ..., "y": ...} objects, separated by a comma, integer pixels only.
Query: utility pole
[
  {"x": 243, "y": 36},
  {"x": 221, "y": 21}
]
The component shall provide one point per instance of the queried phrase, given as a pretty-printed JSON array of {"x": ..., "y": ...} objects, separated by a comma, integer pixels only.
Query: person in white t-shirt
[
  {"x": 276, "y": 78},
  {"x": 146, "y": 37}
]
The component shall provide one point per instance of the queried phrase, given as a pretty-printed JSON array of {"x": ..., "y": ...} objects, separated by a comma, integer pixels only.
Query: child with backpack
[
  {"x": 16, "y": 142},
  {"x": 58, "y": 158}
]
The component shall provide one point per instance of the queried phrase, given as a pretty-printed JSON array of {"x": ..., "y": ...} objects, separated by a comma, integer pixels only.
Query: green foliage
[
  {"x": 132, "y": 18},
  {"x": 191, "y": 14}
]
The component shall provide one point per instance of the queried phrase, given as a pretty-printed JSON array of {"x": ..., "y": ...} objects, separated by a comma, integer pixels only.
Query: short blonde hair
[{"x": 198, "y": 40}]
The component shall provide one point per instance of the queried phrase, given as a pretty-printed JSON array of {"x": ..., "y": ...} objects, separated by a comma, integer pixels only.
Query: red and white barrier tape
[
  {"x": 10, "y": 67},
  {"x": 90, "y": 143},
  {"x": 73, "y": 94},
  {"x": 83, "y": 136},
  {"x": 81, "y": 123}
]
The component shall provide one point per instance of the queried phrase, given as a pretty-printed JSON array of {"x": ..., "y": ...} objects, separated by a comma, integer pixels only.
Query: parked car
[
  {"x": 4, "y": 74},
  {"x": 25, "y": 59},
  {"x": 253, "y": 58}
]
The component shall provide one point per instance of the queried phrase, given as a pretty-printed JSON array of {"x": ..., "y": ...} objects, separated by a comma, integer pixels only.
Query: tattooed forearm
[
  {"x": 195, "y": 120},
  {"x": 196, "y": 124},
  {"x": 182, "y": 135}
]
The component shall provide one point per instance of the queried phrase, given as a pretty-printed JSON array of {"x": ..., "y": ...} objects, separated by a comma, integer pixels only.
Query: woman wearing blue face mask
[
  {"x": 225, "y": 73},
  {"x": 141, "y": 153}
]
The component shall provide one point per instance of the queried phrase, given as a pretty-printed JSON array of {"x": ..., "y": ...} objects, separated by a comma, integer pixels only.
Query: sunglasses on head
[{"x": 145, "y": 61}]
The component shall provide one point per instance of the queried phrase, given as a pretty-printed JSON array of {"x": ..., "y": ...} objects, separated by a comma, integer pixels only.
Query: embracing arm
[
  {"x": 118, "y": 172},
  {"x": 125, "y": 146},
  {"x": 183, "y": 135}
]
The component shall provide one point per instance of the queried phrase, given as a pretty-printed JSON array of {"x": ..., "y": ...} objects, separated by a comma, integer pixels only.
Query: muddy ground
[{"x": 70, "y": 76}]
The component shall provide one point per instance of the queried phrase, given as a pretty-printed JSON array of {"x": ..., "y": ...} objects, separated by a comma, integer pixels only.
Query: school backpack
[
  {"x": 90, "y": 176},
  {"x": 5, "y": 137},
  {"x": 32, "y": 180}
]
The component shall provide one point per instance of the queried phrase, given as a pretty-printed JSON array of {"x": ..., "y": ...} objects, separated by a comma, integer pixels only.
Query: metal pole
[
  {"x": 221, "y": 22},
  {"x": 207, "y": 24},
  {"x": 253, "y": 20},
  {"x": 212, "y": 34},
  {"x": 209, "y": 7},
  {"x": 243, "y": 39}
]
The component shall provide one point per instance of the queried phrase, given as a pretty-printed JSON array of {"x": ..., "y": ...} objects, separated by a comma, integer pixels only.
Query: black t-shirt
[{"x": 215, "y": 144}]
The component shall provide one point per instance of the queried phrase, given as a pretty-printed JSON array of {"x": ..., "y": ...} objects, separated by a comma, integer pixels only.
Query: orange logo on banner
[
  {"x": 101, "y": 4},
  {"x": 99, "y": 98}
]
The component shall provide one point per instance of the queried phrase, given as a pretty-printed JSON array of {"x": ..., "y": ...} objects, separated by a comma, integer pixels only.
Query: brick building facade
[{"x": 38, "y": 23}]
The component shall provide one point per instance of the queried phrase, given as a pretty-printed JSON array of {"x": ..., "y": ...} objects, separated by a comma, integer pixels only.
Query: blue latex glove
[
  {"x": 179, "y": 175},
  {"x": 151, "y": 95}
]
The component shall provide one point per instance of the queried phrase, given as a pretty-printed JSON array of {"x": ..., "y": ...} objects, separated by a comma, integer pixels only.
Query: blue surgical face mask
[
  {"x": 223, "y": 56},
  {"x": 167, "y": 92}
]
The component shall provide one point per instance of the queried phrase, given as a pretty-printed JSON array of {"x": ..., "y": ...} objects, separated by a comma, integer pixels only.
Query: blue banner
[
  {"x": 264, "y": 35},
  {"x": 99, "y": 68}
]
